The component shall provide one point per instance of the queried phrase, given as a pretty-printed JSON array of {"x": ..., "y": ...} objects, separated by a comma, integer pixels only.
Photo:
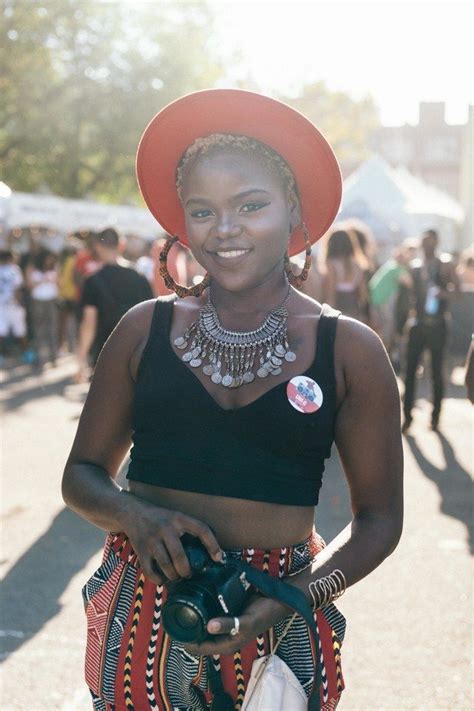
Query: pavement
[{"x": 409, "y": 640}]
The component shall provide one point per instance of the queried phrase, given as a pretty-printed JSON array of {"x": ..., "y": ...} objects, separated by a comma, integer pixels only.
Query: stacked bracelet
[{"x": 325, "y": 590}]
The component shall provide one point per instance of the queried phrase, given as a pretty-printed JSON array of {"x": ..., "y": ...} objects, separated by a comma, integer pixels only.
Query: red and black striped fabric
[{"x": 132, "y": 664}]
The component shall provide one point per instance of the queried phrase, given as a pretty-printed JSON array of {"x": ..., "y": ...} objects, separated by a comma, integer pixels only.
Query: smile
[{"x": 232, "y": 254}]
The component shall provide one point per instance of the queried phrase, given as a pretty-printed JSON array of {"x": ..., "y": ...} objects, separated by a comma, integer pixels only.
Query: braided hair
[{"x": 207, "y": 145}]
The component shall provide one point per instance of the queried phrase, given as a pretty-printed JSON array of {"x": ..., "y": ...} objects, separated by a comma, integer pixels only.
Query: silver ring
[{"x": 236, "y": 628}]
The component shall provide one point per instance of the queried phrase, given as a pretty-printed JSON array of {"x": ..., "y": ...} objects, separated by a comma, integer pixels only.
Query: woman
[
  {"x": 42, "y": 280},
  {"x": 345, "y": 286},
  {"x": 229, "y": 441}
]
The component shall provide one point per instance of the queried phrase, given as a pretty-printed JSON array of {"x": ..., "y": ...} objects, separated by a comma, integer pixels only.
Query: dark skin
[{"x": 235, "y": 204}]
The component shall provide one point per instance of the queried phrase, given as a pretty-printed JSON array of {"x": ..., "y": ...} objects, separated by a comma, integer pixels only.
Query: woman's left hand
[{"x": 258, "y": 616}]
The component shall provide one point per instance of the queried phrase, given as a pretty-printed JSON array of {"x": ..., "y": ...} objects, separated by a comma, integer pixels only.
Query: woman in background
[
  {"x": 42, "y": 280},
  {"x": 344, "y": 284}
]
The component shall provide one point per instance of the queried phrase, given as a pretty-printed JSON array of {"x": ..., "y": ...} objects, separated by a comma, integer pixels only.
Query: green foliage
[
  {"x": 80, "y": 80},
  {"x": 347, "y": 123}
]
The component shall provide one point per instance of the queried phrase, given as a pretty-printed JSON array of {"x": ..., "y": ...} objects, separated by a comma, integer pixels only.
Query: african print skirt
[{"x": 132, "y": 664}]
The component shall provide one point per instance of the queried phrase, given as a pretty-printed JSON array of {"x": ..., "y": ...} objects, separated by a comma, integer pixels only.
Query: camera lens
[
  {"x": 186, "y": 617},
  {"x": 184, "y": 621}
]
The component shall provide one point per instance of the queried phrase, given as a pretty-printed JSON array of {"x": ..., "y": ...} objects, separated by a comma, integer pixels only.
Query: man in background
[
  {"x": 434, "y": 281},
  {"x": 107, "y": 295}
]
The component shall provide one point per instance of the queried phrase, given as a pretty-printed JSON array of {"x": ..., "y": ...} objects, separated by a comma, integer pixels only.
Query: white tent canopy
[
  {"x": 66, "y": 215},
  {"x": 402, "y": 200}
]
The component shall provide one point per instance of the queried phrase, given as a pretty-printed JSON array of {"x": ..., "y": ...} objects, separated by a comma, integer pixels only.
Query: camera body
[{"x": 214, "y": 590}]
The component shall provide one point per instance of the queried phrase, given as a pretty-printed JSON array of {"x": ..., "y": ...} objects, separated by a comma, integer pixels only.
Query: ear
[{"x": 295, "y": 212}]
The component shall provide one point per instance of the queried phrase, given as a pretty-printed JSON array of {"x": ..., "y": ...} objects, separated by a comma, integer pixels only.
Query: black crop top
[{"x": 264, "y": 451}]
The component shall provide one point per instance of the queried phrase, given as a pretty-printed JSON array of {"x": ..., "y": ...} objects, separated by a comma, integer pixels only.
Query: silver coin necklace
[{"x": 233, "y": 358}]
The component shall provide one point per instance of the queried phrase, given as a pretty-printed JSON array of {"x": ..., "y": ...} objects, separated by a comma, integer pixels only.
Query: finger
[
  {"x": 162, "y": 559},
  {"x": 177, "y": 555},
  {"x": 222, "y": 625},
  {"x": 206, "y": 536},
  {"x": 151, "y": 572}
]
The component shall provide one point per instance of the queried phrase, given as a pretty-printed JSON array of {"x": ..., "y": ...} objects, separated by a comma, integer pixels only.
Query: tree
[
  {"x": 80, "y": 81},
  {"x": 347, "y": 123}
]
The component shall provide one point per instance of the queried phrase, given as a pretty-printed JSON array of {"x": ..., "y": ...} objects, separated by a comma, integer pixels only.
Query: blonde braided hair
[{"x": 242, "y": 144}]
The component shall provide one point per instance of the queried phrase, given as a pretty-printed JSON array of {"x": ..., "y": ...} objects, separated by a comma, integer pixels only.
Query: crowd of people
[{"x": 54, "y": 304}]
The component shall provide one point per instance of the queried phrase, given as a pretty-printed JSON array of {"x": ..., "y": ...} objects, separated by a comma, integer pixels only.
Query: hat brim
[{"x": 281, "y": 127}]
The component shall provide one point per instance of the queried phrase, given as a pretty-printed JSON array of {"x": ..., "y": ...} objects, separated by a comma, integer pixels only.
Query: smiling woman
[{"x": 232, "y": 398}]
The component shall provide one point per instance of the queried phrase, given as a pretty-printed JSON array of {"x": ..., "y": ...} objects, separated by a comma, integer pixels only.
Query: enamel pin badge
[{"x": 304, "y": 394}]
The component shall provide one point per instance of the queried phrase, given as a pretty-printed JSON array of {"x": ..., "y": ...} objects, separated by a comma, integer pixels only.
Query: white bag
[{"x": 273, "y": 687}]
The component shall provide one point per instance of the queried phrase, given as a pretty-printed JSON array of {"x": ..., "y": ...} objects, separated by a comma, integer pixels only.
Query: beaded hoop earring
[
  {"x": 181, "y": 291},
  {"x": 297, "y": 280}
]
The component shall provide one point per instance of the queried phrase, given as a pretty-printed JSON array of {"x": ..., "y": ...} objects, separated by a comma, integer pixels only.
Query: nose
[{"x": 228, "y": 226}]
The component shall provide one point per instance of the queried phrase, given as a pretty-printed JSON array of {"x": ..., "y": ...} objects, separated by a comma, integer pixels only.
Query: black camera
[{"x": 214, "y": 590}]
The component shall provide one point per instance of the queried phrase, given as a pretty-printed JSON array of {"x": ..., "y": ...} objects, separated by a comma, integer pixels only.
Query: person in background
[
  {"x": 68, "y": 298},
  {"x": 87, "y": 262},
  {"x": 42, "y": 281},
  {"x": 465, "y": 269},
  {"x": 434, "y": 282},
  {"x": 12, "y": 312},
  {"x": 107, "y": 295},
  {"x": 144, "y": 264},
  {"x": 344, "y": 285},
  {"x": 368, "y": 248},
  {"x": 383, "y": 288}
]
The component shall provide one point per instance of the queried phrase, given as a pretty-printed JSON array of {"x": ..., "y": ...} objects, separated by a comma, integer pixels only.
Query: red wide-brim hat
[{"x": 284, "y": 129}]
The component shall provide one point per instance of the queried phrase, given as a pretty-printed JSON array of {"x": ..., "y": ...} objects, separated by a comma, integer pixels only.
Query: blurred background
[{"x": 389, "y": 84}]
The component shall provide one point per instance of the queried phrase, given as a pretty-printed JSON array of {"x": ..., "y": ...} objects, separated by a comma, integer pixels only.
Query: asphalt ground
[{"x": 409, "y": 639}]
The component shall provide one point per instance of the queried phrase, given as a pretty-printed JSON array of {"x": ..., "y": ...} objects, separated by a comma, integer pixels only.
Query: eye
[
  {"x": 253, "y": 206},
  {"x": 203, "y": 212}
]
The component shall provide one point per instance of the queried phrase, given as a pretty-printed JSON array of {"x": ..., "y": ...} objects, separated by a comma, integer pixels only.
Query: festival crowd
[{"x": 52, "y": 304}]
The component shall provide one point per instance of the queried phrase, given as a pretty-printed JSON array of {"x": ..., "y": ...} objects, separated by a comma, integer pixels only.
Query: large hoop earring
[
  {"x": 297, "y": 280},
  {"x": 181, "y": 291}
]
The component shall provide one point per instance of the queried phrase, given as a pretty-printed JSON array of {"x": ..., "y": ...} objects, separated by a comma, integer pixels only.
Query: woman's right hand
[{"x": 155, "y": 535}]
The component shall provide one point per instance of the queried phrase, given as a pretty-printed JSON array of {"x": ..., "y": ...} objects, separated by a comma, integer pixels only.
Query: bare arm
[{"x": 103, "y": 438}]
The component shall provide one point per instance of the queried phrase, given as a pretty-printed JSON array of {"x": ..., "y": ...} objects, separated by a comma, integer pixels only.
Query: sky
[{"x": 401, "y": 53}]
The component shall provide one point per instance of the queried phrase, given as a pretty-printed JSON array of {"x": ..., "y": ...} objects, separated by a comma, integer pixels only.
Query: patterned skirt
[{"x": 132, "y": 664}]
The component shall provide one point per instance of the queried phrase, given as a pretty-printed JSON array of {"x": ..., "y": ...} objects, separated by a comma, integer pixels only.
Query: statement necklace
[{"x": 231, "y": 358}]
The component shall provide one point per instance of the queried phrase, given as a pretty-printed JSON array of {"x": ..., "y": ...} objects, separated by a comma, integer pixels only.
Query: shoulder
[
  {"x": 136, "y": 322},
  {"x": 360, "y": 355}
]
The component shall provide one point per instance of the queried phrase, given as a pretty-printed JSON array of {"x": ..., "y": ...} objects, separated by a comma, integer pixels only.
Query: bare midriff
[{"x": 237, "y": 523}]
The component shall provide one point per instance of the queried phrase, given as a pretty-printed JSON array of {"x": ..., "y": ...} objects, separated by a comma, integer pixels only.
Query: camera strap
[{"x": 296, "y": 600}]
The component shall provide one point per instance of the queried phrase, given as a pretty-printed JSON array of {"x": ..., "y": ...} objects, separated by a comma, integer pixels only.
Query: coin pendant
[
  {"x": 262, "y": 372},
  {"x": 248, "y": 377},
  {"x": 276, "y": 361},
  {"x": 208, "y": 369},
  {"x": 187, "y": 357},
  {"x": 290, "y": 357},
  {"x": 180, "y": 343},
  {"x": 196, "y": 352},
  {"x": 216, "y": 378},
  {"x": 276, "y": 371},
  {"x": 280, "y": 351},
  {"x": 195, "y": 363},
  {"x": 227, "y": 381}
]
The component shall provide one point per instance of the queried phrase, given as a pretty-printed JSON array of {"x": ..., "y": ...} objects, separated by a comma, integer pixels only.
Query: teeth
[{"x": 234, "y": 253}]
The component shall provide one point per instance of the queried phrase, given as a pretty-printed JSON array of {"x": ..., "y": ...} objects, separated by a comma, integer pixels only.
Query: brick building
[{"x": 432, "y": 149}]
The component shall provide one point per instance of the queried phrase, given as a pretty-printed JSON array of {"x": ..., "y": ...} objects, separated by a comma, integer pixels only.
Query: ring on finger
[{"x": 236, "y": 628}]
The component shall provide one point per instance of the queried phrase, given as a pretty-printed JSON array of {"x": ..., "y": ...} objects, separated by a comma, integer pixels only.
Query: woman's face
[{"x": 238, "y": 218}]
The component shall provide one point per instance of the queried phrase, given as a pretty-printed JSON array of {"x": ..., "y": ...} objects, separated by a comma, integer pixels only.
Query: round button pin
[{"x": 304, "y": 394}]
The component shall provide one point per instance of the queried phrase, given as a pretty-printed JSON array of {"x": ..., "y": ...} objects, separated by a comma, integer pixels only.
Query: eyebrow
[{"x": 239, "y": 196}]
